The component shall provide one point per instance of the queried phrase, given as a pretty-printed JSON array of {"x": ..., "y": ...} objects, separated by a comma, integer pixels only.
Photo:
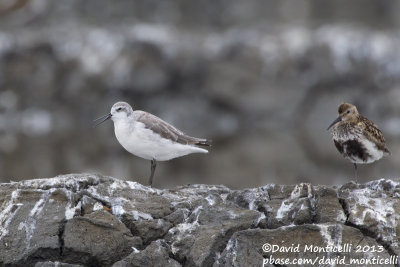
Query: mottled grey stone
[
  {"x": 328, "y": 208},
  {"x": 31, "y": 220},
  {"x": 156, "y": 254},
  {"x": 94, "y": 220},
  {"x": 245, "y": 248},
  {"x": 97, "y": 237}
]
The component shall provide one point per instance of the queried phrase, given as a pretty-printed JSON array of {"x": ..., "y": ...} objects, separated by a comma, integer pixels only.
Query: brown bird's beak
[
  {"x": 334, "y": 122},
  {"x": 102, "y": 119}
]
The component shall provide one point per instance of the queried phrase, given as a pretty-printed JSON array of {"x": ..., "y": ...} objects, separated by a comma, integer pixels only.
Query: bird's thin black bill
[
  {"x": 334, "y": 122},
  {"x": 101, "y": 120}
]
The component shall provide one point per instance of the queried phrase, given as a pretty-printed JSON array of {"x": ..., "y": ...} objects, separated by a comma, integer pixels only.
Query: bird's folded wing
[
  {"x": 372, "y": 133},
  {"x": 166, "y": 130}
]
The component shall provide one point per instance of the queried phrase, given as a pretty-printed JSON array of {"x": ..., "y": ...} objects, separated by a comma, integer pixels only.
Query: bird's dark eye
[
  {"x": 348, "y": 111},
  {"x": 119, "y": 109}
]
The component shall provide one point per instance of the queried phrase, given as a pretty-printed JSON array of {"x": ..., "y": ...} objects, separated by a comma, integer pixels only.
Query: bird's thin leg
[
  {"x": 152, "y": 168},
  {"x": 355, "y": 173}
]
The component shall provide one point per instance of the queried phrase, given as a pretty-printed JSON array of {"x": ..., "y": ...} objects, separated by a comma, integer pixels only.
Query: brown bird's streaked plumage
[{"x": 357, "y": 138}]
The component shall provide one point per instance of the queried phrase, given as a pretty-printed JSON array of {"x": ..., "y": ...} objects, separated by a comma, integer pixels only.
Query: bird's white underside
[
  {"x": 373, "y": 151},
  {"x": 144, "y": 143}
]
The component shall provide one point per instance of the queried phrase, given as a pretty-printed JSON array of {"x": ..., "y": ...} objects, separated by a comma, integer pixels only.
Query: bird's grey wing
[
  {"x": 167, "y": 131},
  {"x": 372, "y": 132}
]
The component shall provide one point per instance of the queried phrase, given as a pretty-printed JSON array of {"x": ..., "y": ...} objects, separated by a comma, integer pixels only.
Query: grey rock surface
[{"x": 95, "y": 220}]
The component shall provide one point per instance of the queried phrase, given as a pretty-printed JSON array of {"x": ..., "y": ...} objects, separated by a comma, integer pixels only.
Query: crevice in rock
[
  {"x": 313, "y": 200},
  {"x": 267, "y": 222},
  {"x": 342, "y": 203},
  {"x": 147, "y": 243},
  {"x": 224, "y": 243},
  {"x": 75, "y": 203},
  {"x": 127, "y": 224},
  {"x": 102, "y": 201},
  {"x": 78, "y": 198},
  {"x": 61, "y": 229},
  {"x": 164, "y": 235},
  {"x": 176, "y": 257},
  {"x": 82, "y": 185},
  {"x": 266, "y": 210},
  {"x": 225, "y": 240}
]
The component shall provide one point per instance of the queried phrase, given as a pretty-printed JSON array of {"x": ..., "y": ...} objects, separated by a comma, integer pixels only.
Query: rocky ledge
[{"x": 93, "y": 220}]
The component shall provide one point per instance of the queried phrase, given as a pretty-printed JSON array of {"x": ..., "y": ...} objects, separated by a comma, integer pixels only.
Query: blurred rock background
[{"x": 262, "y": 79}]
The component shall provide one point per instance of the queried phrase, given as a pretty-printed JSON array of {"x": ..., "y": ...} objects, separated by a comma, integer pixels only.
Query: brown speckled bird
[{"x": 357, "y": 138}]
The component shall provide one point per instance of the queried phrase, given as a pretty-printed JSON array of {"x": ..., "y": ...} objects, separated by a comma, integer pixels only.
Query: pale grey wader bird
[
  {"x": 357, "y": 138},
  {"x": 149, "y": 137}
]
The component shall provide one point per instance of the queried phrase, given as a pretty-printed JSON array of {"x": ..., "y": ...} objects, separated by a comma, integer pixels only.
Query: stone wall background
[{"x": 262, "y": 79}]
